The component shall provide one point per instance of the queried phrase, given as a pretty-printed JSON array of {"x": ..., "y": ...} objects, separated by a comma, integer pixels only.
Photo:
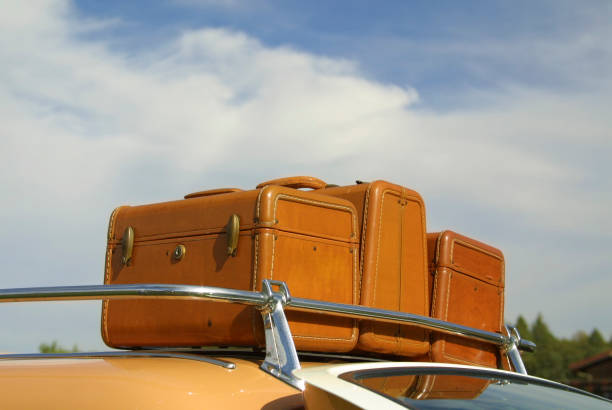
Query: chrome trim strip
[
  {"x": 281, "y": 356},
  {"x": 363, "y": 312},
  {"x": 122, "y": 354},
  {"x": 93, "y": 292}
]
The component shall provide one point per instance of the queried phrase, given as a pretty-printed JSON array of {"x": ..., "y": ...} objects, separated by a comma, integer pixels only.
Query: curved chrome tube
[
  {"x": 260, "y": 299},
  {"x": 281, "y": 356},
  {"x": 95, "y": 292},
  {"x": 382, "y": 315},
  {"x": 119, "y": 354}
]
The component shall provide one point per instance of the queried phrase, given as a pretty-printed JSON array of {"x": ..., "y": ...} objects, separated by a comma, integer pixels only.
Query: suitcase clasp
[
  {"x": 179, "y": 252},
  {"x": 127, "y": 245},
  {"x": 233, "y": 231}
]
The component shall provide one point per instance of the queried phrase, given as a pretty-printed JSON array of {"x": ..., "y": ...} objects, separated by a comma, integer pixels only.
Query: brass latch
[
  {"x": 233, "y": 231},
  {"x": 179, "y": 252},
  {"x": 127, "y": 245}
]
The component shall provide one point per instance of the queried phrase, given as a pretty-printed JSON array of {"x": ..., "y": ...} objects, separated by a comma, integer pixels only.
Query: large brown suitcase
[
  {"x": 393, "y": 262},
  {"x": 306, "y": 239},
  {"x": 468, "y": 289}
]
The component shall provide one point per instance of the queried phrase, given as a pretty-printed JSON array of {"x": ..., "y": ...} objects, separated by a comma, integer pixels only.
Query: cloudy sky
[{"x": 498, "y": 113}]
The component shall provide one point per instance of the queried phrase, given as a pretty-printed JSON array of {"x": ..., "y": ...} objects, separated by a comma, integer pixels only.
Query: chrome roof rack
[{"x": 281, "y": 356}]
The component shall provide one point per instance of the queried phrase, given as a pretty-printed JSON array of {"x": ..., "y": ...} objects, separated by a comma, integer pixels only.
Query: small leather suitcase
[
  {"x": 233, "y": 239},
  {"x": 468, "y": 289},
  {"x": 393, "y": 261},
  {"x": 427, "y": 387},
  {"x": 447, "y": 387}
]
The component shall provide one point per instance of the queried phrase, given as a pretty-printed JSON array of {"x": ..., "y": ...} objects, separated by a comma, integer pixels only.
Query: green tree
[
  {"x": 523, "y": 328},
  {"x": 547, "y": 361},
  {"x": 553, "y": 356},
  {"x": 54, "y": 347},
  {"x": 596, "y": 342}
]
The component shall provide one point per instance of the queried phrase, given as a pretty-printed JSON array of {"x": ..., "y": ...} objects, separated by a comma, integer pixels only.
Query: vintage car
[
  {"x": 277, "y": 378},
  {"x": 215, "y": 269}
]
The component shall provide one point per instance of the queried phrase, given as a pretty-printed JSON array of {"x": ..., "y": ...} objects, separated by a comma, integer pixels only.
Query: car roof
[
  {"x": 164, "y": 381},
  {"x": 342, "y": 381}
]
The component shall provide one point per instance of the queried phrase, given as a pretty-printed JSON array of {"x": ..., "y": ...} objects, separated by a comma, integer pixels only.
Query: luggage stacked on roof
[{"x": 358, "y": 244}]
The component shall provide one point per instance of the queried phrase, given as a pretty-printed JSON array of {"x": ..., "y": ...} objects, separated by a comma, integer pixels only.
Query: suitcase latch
[
  {"x": 127, "y": 245},
  {"x": 179, "y": 252},
  {"x": 233, "y": 231}
]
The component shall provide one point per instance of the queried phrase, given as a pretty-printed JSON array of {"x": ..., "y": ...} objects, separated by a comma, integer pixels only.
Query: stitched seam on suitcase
[
  {"x": 273, "y": 248},
  {"x": 107, "y": 269},
  {"x": 353, "y": 332},
  {"x": 435, "y": 292},
  {"x": 384, "y": 339},
  {"x": 354, "y": 226},
  {"x": 254, "y": 317},
  {"x": 326, "y": 338},
  {"x": 319, "y": 203},
  {"x": 448, "y": 290},
  {"x": 501, "y": 302},
  {"x": 380, "y": 229},
  {"x": 365, "y": 325},
  {"x": 256, "y": 267},
  {"x": 184, "y": 234},
  {"x": 464, "y": 360},
  {"x": 313, "y": 236},
  {"x": 363, "y": 236},
  {"x": 307, "y": 201},
  {"x": 480, "y": 250},
  {"x": 444, "y": 338},
  {"x": 142, "y": 240},
  {"x": 501, "y": 310},
  {"x": 472, "y": 246}
]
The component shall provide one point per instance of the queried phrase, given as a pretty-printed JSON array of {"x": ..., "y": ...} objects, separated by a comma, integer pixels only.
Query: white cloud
[{"x": 85, "y": 128}]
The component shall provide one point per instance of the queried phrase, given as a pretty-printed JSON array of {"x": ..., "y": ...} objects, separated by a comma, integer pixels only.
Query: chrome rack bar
[
  {"x": 281, "y": 356},
  {"x": 363, "y": 312},
  {"x": 509, "y": 345},
  {"x": 97, "y": 292},
  {"x": 382, "y": 315}
]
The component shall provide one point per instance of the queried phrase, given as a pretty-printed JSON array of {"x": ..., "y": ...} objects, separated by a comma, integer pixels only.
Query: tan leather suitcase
[
  {"x": 468, "y": 289},
  {"x": 447, "y": 387},
  {"x": 393, "y": 261},
  {"x": 232, "y": 239},
  {"x": 427, "y": 387}
]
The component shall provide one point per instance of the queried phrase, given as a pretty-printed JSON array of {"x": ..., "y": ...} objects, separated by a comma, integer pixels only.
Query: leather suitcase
[
  {"x": 448, "y": 387},
  {"x": 468, "y": 289},
  {"x": 393, "y": 261},
  {"x": 233, "y": 239},
  {"x": 428, "y": 387}
]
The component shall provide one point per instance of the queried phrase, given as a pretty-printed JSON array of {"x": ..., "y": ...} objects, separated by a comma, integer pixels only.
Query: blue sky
[
  {"x": 432, "y": 47},
  {"x": 498, "y": 113}
]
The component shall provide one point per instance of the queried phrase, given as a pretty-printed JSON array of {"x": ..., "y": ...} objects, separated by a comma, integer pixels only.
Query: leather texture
[
  {"x": 212, "y": 192},
  {"x": 448, "y": 387},
  {"x": 427, "y": 387},
  {"x": 303, "y": 238},
  {"x": 296, "y": 182},
  {"x": 468, "y": 289},
  {"x": 393, "y": 263}
]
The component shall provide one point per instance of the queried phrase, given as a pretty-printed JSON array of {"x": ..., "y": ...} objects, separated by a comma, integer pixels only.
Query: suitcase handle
[
  {"x": 296, "y": 182},
  {"x": 212, "y": 192}
]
